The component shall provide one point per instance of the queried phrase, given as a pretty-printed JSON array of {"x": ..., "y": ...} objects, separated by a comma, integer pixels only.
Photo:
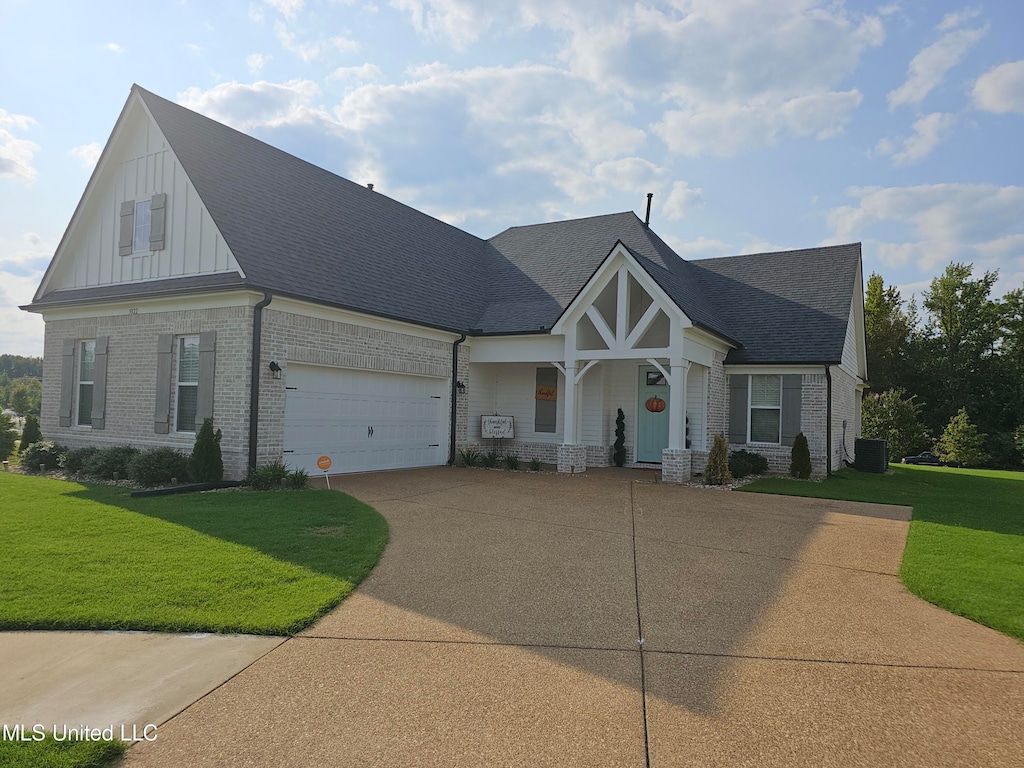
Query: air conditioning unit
[{"x": 870, "y": 455}]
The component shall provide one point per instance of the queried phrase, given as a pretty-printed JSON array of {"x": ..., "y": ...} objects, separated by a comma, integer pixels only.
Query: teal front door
[{"x": 651, "y": 426}]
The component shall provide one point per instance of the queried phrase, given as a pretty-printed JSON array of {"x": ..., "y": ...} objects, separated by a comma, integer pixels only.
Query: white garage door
[{"x": 363, "y": 420}]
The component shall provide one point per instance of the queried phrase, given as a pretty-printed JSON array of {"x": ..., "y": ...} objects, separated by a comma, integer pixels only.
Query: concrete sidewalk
[{"x": 502, "y": 627}]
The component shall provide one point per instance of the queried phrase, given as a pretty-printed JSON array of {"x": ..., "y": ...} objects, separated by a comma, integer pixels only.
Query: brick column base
[
  {"x": 572, "y": 458},
  {"x": 675, "y": 465}
]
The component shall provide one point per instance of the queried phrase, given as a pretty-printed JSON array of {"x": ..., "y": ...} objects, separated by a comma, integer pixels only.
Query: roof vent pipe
[
  {"x": 370, "y": 187},
  {"x": 647, "y": 218}
]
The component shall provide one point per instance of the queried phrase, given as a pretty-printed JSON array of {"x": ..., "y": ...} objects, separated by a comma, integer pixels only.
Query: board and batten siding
[
  {"x": 849, "y": 361},
  {"x": 140, "y": 165}
]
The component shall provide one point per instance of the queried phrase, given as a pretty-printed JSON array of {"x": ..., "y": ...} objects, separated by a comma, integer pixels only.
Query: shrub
[
  {"x": 800, "y": 458},
  {"x": 512, "y": 462},
  {"x": 206, "y": 465},
  {"x": 961, "y": 443},
  {"x": 895, "y": 417},
  {"x": 743, "y": 463},
  {"x": 76, "y": 459},
  {"x": 44, "y": 452},
  {"x": 619, "y": 454},
  {"x": 469, "y": 457},
  {"x": 7, "y": 436},
  {"x": 489, "y": 459},
  {"x": 535, "y": 465},
  {"x": 158, "y": 466},
  {"x": 717, "y": 470},
  {"x": 297, "y": 480},
  {"x": 30, "y": 434},
  {"x": 267, "y": 478},
  {"x": 108, "y": 461},
  {"x": 1002, "y": 451}
]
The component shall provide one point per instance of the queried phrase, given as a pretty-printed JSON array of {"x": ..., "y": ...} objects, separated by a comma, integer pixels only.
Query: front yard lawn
[
  {"x": 965, "y": 548},
  {"x": 50, "y": 753},
  {"x": 83, "y": 556}
]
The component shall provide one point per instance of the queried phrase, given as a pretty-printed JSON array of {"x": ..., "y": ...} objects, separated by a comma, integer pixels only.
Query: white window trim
[
  {"x": 78, "y": 377},
  {"x": 751, "y": 406},
  {"x": 178, "y": 383},
  {"x": 142, "y": 247}
]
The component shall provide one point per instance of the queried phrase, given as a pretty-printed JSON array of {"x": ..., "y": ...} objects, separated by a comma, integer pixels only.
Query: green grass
[
  {"x": 59, "y": 754},
  {"x": 83, "y": 556},
  {"x": 965, "y": 548}
]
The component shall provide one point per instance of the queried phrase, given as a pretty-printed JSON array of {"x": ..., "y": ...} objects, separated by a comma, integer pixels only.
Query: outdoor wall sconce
[
  {"x": 461, "y": 387},
  {"x": 275, "y": 369}
]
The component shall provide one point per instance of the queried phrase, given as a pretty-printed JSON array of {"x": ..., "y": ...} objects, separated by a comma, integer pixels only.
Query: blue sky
[{"x": 758, "y": 125}]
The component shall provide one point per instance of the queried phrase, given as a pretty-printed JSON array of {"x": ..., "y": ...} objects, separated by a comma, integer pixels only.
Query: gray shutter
[
  {"x": 164, "y": 350},
  {"x": 99, "y": 384},
  {"x": 545, "y": 411},
  {"x": 124, "y": 242},
  {"x": 791, "y": 395},
  {"x": 207, "y": 366},
  {"x": 737, "y": 409},
  {"x": 67, "y": 382},
  {"x": 158, "y": 211}
]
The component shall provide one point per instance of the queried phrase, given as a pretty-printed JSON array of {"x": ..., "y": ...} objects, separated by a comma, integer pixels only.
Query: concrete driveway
[{"x": 503, "y": 627}]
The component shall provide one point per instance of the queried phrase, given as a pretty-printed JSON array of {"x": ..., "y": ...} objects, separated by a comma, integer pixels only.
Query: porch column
[
  {"x": 569, "y": 418},
  {"x": 675, "y": 460}
]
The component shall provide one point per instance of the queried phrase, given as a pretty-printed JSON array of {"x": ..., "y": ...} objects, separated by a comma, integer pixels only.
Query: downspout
[
  {"x": 254, "y": 369},
  {"x": 828, "y": 422},
  {"x": 455, "y": 391}
]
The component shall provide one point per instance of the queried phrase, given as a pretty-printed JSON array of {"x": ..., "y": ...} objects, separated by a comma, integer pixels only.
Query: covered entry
[{"x": 363, "y": 420}]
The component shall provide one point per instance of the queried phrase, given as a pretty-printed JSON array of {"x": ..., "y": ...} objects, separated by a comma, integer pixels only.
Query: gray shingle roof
[{"x": 300, "y": 230}]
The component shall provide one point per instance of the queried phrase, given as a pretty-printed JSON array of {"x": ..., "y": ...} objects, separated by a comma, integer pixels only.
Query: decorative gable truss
[{"x": 623, "y": 314}]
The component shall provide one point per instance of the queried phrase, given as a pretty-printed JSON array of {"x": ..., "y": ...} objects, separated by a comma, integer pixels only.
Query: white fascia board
[
  {"x": 700, "y": 336},
  {"x": 535, "y": 348},
  {"x": 605, "y": 274},
  {"x": 756, "y": 369},
  {"x": 334, "y": 314},
  {"x": 148, "y": 306}
]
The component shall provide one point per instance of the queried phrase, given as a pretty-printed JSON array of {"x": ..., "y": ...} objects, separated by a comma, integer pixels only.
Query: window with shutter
[
  {"x": 765, "y": 408},
  {"x": 187, "y": 388},
  {"x": 140, "y": 241},
  {"x": 546, "y": 400},
  {"x": 86, "y": 372}
]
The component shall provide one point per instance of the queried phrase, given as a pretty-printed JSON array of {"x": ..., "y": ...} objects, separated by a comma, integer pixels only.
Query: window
[
  {"x": 188, "y": 383},
  {"x": 765, "y": 409},
  {"x": 142, "y": 226},
  {"x": 546, "y": 400},
  {"x": 86, "y": 372}
]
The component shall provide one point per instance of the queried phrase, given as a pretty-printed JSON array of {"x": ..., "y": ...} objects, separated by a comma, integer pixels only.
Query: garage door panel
[{"x": 328, "y": 412}]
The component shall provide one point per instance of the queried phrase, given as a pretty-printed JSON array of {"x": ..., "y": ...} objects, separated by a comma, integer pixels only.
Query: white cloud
[
  {"x": 928, "y": 226},
  {"x": 16, "y": 154},
  {"x": 929, "y": 132},
  {"x": 365, "y": 73},
  {"x": 701, "y": 248},
  {"x": 22, "y": 263},
  {"x": 1001, "y": 89},
  {"x": 89, "y": 154},
  {"x": 889, "y": 10},
  {"x": 928, "y": 68},
  {"x": 955, "y": 20},
  {"x": 287, "y": 8},
  {"x": 682, "y": 200},
  {"x": 311, "y": 50},
  {"x": 114, "y": 48},
  {"x": 260, "y": 104},
  {"x": 256, "y": 61}
]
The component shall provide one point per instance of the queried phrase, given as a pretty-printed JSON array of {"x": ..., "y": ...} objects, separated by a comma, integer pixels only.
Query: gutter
[
  {"x": 454, "y": 395},
  {"x": 828, "y": 422},
  {"x": 254, "y": 370}
]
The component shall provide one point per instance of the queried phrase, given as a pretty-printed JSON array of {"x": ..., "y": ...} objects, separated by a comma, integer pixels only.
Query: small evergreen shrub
[
  {"x": 297, "y": 480},
  {"x": 535, "y": 465},
  {"x": 44, "y": 452},
  {"x": 267, "y": 478},
  {"x": 619, "y": 452},
  {"x": 206, "y": 465},
  {"x": 158, "y": 467},
  {"x": 961, "y": 443},
  {"x": 108, "y": 461},
  {"x": 7, "y": 436},
  {"x": 512, "y": 462},
  {"x": 717, "y": 470},
  {"x": 800, "y": 458},
  {"x": 743, "y": 463},
  {"x": 76, "y": 459},
  {"x": 30, "y": 434},
  {"x": 469, "y": 457},
  {"x": 489, "y": 459}
]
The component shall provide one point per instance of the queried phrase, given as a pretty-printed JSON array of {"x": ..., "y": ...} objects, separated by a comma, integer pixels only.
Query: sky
[{"x": 758, "y": 126}]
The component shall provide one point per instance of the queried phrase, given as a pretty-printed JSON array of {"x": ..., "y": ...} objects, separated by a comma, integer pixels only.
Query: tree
[
  {"x": 717, "y": 470},
  {"x": 206, "y": 465},
  {"x": 619, "y": 454},
  {"x": 961, "y": 443},
  {"x": 30, "y": 434},
  {"x": 800, "y": 458},
  {"x": 894, "y": 416},
  {"x": 888, "y": 330},
  {"x": 25, "y": 396},
  {"x": 7, "y": 436}
]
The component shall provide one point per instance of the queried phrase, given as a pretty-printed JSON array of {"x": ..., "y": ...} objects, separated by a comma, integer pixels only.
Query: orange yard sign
[{"x": 324, "y": 462}]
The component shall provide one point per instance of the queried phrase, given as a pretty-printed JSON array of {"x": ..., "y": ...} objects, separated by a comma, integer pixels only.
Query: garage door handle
[{"x": 287, "y": 451}]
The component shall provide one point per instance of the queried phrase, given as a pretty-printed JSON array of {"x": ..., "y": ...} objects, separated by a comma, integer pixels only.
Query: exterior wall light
[
  {"x": 275, "y": 369},
  {"x": 461, "y": 387}
]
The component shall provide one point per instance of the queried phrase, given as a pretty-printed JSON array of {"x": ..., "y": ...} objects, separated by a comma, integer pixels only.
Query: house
[{"x": 208, "y": 274}]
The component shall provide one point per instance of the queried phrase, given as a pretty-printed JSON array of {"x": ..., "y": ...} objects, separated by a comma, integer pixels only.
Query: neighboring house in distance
[{"x": 207, "y": 274}]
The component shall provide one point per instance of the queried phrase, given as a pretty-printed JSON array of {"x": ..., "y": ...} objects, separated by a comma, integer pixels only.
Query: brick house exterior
[{"x": 206, "y": 274}]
